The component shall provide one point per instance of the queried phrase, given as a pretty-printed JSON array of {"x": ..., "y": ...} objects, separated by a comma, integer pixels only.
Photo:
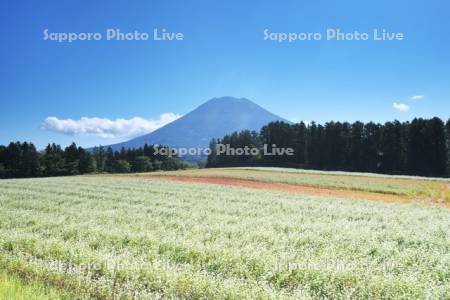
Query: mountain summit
[{"x": 213, "y": 119}]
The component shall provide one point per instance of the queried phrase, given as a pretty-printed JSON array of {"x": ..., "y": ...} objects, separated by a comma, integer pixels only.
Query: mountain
[{"x": 213, "y": 119}]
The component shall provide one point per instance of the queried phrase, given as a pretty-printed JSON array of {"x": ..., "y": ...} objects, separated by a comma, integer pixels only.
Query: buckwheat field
[{"x": 106, "y": 237}]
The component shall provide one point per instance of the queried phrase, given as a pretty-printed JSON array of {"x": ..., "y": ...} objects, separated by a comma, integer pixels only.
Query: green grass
[
  {"x": 412, "y": 187},
  {"x": 14, "y": 288},
  {"x": 111, "y": 238},
  {"x": 341, "y": 173}
]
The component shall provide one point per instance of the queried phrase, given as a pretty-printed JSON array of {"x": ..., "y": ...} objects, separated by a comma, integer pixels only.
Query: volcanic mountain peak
[{"x": 212, "y": 119}]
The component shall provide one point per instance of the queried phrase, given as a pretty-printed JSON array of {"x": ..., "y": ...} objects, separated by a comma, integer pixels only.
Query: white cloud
[
  {"x": 400, "y": 106},
  {"x": 417, "y": 97},
  {"x": 297, "y": 121},
  {"x": 107, "y": 128}
]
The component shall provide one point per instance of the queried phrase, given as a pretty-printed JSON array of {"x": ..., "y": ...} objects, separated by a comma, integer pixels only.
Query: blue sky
[{"x": 223, "y": 53}]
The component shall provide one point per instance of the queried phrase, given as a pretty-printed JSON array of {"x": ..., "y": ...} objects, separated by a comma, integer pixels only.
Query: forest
[
  {"x": 420, "y": 147},
  {"x": 21, "y": 160}
]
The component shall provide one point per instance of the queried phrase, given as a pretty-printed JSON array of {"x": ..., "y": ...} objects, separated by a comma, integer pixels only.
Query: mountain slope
[{"x": 212, "y": 119}]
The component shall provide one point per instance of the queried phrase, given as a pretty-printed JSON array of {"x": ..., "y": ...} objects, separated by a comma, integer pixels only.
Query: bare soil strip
[{"x": 293, "y": 188}]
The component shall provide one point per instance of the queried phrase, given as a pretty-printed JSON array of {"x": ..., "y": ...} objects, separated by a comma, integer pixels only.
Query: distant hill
[{"x": 213, "y": 119}]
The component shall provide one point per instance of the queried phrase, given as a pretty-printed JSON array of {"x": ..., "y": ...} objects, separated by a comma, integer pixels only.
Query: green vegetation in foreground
[
  {"x": 14, "y": 288},
  {"x": 412, "y": 187},
  {"x": 111, "y": 238}
]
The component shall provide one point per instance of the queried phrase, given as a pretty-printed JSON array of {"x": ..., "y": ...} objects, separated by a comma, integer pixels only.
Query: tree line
[
  {"x": 420, "y": 147},
  {"x": 22, "y": 159}
]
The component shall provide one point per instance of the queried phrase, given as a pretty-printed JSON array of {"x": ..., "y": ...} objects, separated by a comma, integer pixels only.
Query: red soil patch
[{"x": 285, "y": 187}]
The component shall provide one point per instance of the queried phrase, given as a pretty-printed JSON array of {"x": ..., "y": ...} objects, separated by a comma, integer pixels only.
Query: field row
[{"x": 415, "y": 188}]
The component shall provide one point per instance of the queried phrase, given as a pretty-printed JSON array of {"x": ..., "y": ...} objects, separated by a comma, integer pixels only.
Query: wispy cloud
[
  {"x": 400, "y": 106},
  {"x": 417, "y": 97},
  {"x": 106, "y": 128}
]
